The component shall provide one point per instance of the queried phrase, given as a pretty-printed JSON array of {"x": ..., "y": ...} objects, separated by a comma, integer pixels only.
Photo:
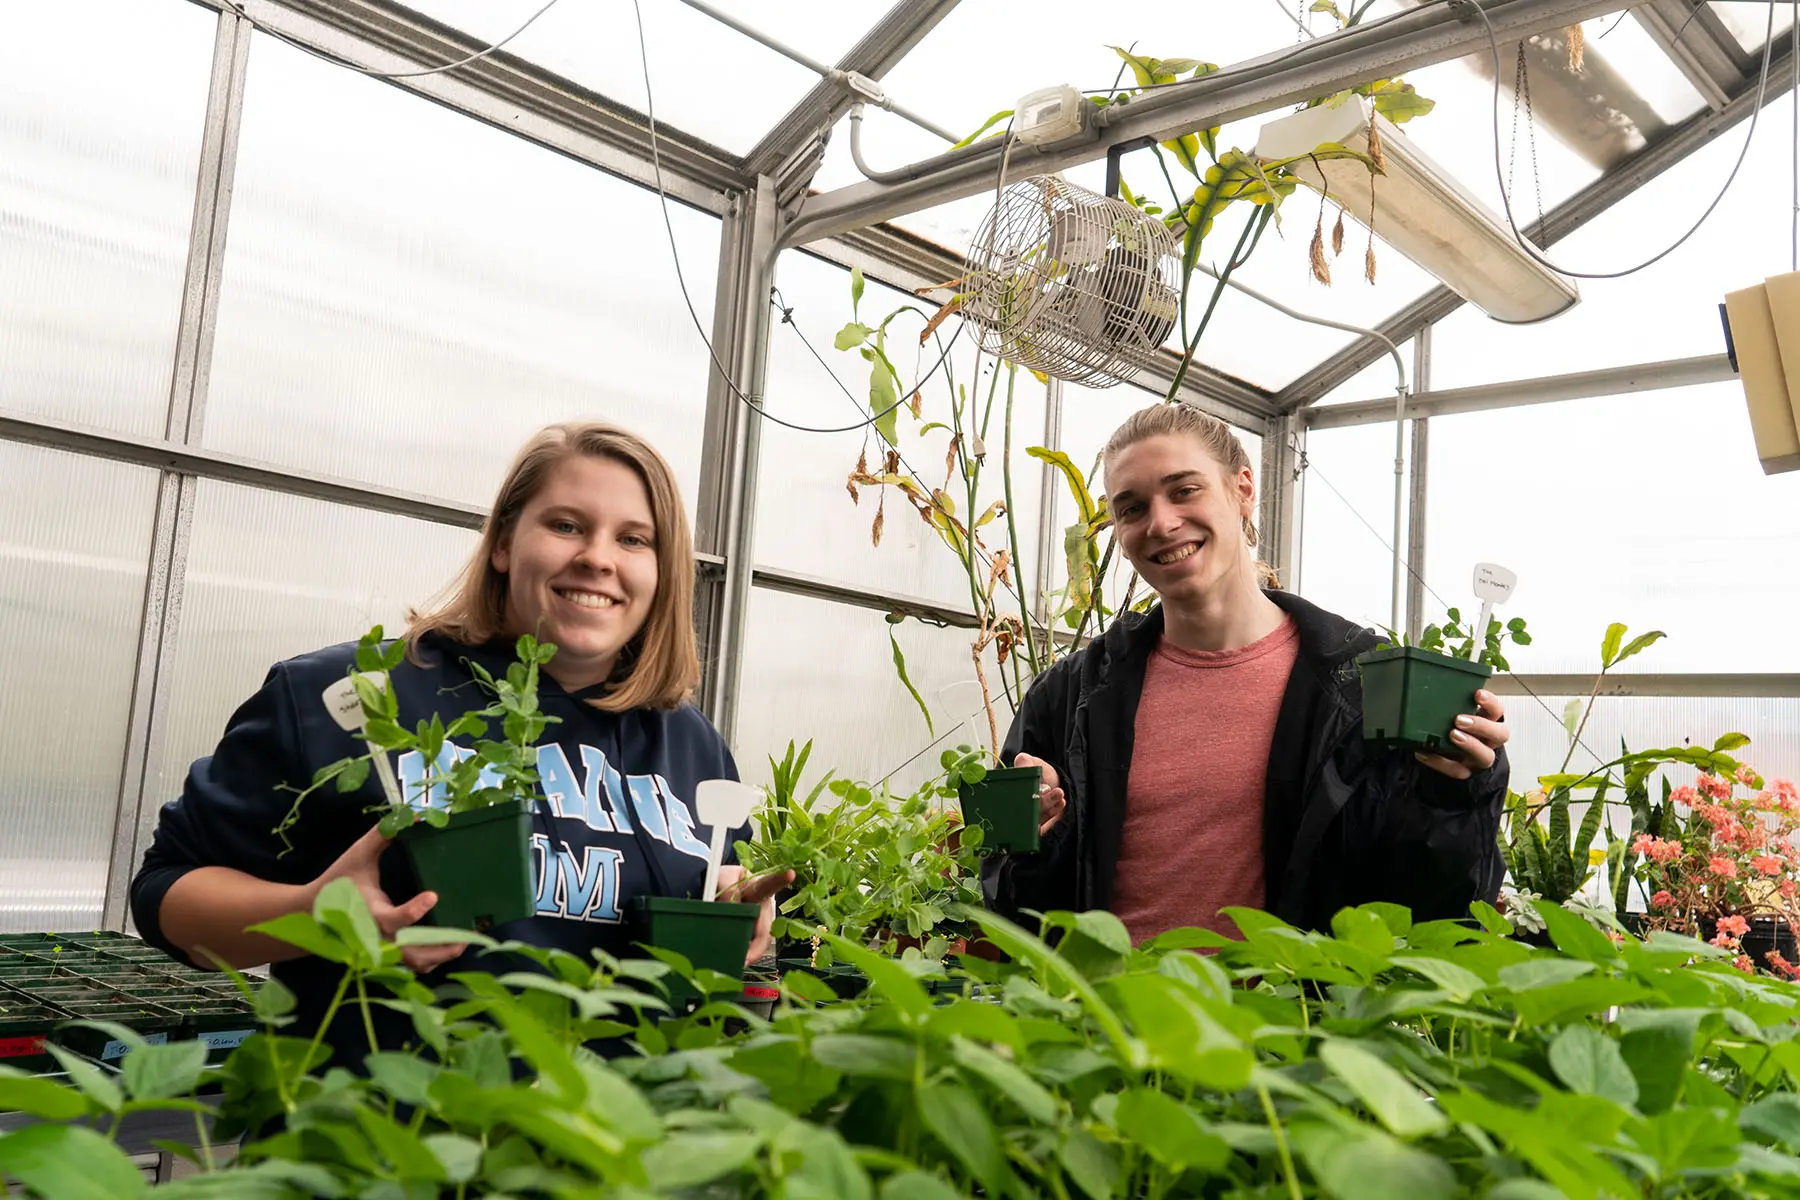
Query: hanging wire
[
  {"x": 1500, "y": 176},
  {"x": 237, "y": 7}
]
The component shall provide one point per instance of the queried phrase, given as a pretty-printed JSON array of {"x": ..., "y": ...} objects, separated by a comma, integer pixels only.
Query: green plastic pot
[
  {"x": 479, "y": 865},
  {"x": 710, "y": 934},
  {"x": 1005, "y": 805},
  {"x": 1412, "y": 697}
]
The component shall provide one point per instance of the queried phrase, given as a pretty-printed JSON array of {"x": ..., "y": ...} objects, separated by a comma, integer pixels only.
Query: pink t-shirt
[{"x": 1193, "y": 838}]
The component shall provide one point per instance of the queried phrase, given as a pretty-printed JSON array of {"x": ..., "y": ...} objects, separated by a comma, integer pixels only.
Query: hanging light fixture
[{"x": 1419, "y": 210}]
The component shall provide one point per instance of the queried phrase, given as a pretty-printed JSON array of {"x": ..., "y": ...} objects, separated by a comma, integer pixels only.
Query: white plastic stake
[
  {"x": 1493, "y": 585},
  {"x": 345, "y": 707},
  {"x": 723, "y": 804}
]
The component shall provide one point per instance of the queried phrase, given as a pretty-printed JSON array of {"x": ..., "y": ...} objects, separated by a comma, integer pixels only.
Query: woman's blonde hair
[
  {"x": 660, "y": 667},
  {"x": 1216, "y": 437}
]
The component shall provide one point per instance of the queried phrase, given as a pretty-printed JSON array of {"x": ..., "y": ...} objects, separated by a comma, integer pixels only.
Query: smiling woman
[
  {"x": 586, "y": 547},
  {"x": 1209, "y": 752}
]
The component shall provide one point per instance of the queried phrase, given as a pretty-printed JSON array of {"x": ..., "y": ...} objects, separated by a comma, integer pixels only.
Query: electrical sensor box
[{"x": 1050, "y": 115}]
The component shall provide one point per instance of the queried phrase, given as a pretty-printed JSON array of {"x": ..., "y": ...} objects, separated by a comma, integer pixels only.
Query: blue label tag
[
  {"x": 226, "y": 1039},
  {"x": 118, "y": 1049}
]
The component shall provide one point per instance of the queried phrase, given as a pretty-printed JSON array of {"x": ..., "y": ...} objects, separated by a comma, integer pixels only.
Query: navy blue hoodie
[{"x": 615, "y": 821}]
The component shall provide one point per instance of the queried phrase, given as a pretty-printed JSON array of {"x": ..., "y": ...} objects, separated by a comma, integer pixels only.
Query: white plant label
[
  {"x": 723, "y": 804},
  {"x": 1494, "y": 582},
  {"x": 345, "y": 707}
]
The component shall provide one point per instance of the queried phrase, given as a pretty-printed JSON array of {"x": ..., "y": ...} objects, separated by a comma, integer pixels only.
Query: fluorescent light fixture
[
  {"x": 1420, "y": 211},
  {"x": 1763, "y": 323}
]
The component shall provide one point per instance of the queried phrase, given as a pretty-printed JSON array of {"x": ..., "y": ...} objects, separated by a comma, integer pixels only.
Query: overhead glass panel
[
  {"x": 1668, "y": 310},
  {"x": 408, "y": 294},
  {"x": 709, "y": 80},
  {"x": 1647, "y": 508},
  {"x": 1749, "y": 22},
  {"x": 806, "y": 520},
  {"x": 101, "y": 111}
]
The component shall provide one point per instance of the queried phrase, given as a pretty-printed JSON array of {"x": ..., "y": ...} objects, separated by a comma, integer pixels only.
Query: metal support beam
[
  {"x": 1598, "y": 197},
  {"x": 506, "y": 92},
  {"x": 902, "y": 27},
  {"x": 1278, "y": 522},
  {"x": 1698, "y": 43},
  {"x": 1724, "y": 687},
  {"x": 1376, "y": 50},
  {"x": 796, "y": 584},
  {"x": 1415, "y": 509},
  {"x": 734, "y": 438},
  {"x": 1609, "y": 381},
  {"x": 1050, "y": 487},
  {"x": 165, "y": 577}
]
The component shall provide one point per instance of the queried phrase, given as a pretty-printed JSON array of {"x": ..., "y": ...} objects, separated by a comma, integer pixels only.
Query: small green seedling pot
[
  {"x": 479, "y": 865},
  {"x": 1005, "y": 805},
  {"x": 708, "y": 933},
  {"x": 1412, "y": 697}
]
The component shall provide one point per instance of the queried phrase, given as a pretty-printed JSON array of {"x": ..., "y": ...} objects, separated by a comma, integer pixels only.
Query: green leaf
[
  {"x": 865, "y": 1054},
  {"x": 1609, "y": 645},
  {"x": 68, "y": 1162},
  {"x": 1573, "y": 935},
  {"x": 402, "y": 1076},
  {"x": 39, "y": 1097},
  {"x": 1006, "y": 1078},
  {"x": 917, "y": 1185},
  {"x": 1460, "y": 982},
  {"x": 1776, "y": 1117},
  {"x": 1084, "y": 500},
  {"x": 1542, "y": 972},
  {"x": 689, "y": 1159},
  {"x": 1730, "y": 741},
  {"x": 1638, "y": 643},
  {"x": 1395, "y": 1102},
  {"x": 900, "y": 670},
  {"x": 162, "y": 1072},
  {"x": 459, "y": 1156},
  {"x": 1091, "y": 1163},
  {"x": 274, "y": 1001},
  {"x": 96, "y": 1084},
  {"x": 956, "y": 1118},
  {"x": 1002, "y": 115},
  {"x": 1588, "y": 1061},
  {"x": 340, "y": 907},
  {"x": 1572, "y": 716},
  {"x": 884, "y": 400},
  {"x": 856, "y": 287},
  {"x": 1170, "y": 1132},
  {"x": 303, "y": 931},
  {"x": 1399, "y": 103},
  {"x": 1364, "y": 1164},
  {"x": 852, "y": 335}
]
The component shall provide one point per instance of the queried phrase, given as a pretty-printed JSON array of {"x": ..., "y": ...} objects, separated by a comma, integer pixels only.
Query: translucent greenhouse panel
[
  {"x": 1666, "y": 311},
  {"x": 1648, "y": 509},
  {"x": 858, "y": 714},
  {"x": 251, "y": 600},
  {"x": 1377, "y": 380},
  {"x": 596, "y": 46},
  {"x": 74, "y": 551},
  {"x": 101, "y": 111},
  {"x": 1347, "y": 523},
  {"x": 806, "y": 521},
  {"x": 408, "y": 293},
  {"x": 1749, "y": 22},
  {"x": 1540, "y": 742}
]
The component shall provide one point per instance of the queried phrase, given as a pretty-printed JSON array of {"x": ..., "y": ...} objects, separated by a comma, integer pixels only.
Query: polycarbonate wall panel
[
  {"x": 408, "y": 294},
  {"x": 1347, "y": 525},
  {"x": 270, "y": 576},
  {"x": 75, "y": 539},
  {"x": 823, "y": 671},
  {"x": 1649, "y": 509},
  {"x": 805, "y": 519},
  {"x": 101, "y": 111},
  {"x": 1540, "y": 742}
]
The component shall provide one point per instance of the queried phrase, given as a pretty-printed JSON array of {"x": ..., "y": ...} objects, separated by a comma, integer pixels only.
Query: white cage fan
[{"x": 1072, "y": 283}]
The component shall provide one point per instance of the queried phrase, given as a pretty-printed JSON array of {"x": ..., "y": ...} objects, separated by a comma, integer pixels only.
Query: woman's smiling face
[{"x": 581, "y": 566}]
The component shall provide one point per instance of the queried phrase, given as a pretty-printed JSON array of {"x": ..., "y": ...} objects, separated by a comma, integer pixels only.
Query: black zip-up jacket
[{"x": 1345, "y": 823}]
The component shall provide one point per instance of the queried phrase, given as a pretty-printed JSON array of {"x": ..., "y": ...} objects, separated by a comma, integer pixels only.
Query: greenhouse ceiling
[{"x": 745, "y": 89}]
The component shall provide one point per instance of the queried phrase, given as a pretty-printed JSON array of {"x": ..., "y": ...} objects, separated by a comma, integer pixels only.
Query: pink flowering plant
[{"x": 1731, "y": 861}]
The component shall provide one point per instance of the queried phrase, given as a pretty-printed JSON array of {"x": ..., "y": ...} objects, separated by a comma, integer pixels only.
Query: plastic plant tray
[{"x": 24, "y": 1029}]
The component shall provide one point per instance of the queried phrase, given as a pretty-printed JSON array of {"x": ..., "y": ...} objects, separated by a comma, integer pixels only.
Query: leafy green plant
[
  {"x": 495, "y": 772},
  {"x": 869, "y": 866},
  {"x": 1385, "y": 1058},
  {"x": 1456, "y": 640}
]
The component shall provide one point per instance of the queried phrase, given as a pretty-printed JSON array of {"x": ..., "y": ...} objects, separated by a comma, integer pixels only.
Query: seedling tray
[{"x": 24, "y": 1028}]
